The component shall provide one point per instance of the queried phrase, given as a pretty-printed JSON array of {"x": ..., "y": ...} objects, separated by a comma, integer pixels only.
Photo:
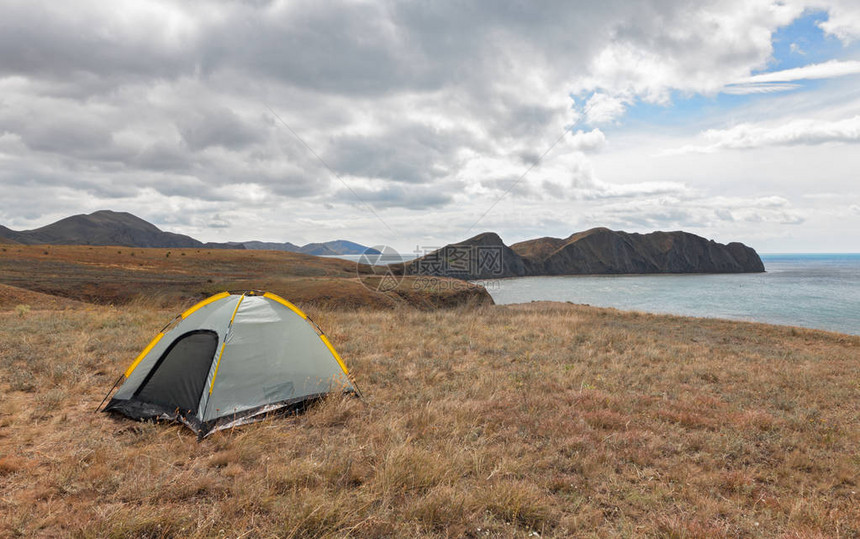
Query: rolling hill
[
  {"x": 114, "y": 275},
  {"x": 106, "y": 227}
]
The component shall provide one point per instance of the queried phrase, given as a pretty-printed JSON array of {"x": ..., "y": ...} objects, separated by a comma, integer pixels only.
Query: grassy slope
[
  {"x": 12, "y": 297},
  {"x": 116, "y": 275},
  {"x": 496, "y": 421}
]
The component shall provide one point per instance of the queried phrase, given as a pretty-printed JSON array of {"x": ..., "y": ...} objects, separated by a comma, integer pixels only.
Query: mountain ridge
[
  {"x": 103, "y": 227},
  {"x": 108, "y": 227},
  {"x": 594, "y": 251}
]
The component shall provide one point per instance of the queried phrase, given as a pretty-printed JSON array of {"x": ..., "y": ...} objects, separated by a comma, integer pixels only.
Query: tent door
[{"x": 177, "y": 379}]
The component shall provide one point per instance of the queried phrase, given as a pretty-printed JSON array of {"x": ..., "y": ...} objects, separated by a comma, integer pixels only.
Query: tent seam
[{"x": 224, "y": 345}]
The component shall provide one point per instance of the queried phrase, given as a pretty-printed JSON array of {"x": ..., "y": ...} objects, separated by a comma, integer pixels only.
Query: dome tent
[{"x": 229, "y": 360}]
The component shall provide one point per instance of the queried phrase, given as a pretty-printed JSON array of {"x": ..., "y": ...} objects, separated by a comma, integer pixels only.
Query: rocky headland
[{"x": 595, "y": 251}]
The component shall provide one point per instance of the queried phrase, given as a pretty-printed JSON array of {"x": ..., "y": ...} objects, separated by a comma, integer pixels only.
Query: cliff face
[
  {"x": 595, "y": 251},
  {"x": 601, "y": 250},
  {"x": 484, "y": 256}
]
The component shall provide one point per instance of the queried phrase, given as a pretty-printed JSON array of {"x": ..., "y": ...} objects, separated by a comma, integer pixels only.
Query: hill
[
  {"x": 12, "y": 297},
  {"x": 483, "y": 256},
  {"x": 595, "y": 251},
  {"x": 601, "y": 250},
  {"x": 270, "y": 246},
  {"x": 329, "y": 248},
  {"x": 104, "y": 227},
  {"x": 344, "y": 247},
  {"x": 112, "y": 275},
  {"x": 6, "y": 236}
]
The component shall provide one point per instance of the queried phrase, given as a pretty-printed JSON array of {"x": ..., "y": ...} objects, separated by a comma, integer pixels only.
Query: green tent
[{"x": 228, "y": 360}]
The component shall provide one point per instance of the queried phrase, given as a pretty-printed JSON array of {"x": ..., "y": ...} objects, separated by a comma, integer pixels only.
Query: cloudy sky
[{"x": 414, "y": 124}]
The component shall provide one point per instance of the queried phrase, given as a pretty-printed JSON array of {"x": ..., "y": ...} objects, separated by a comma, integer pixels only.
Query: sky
[{"x": 415, "y": 124}]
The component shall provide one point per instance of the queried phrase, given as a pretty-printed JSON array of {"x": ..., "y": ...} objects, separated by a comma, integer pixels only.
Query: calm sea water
[{"x": 819, "y": 291}]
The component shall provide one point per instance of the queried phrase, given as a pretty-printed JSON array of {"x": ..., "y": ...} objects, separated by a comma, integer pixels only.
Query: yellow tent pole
[
  {"x": 204, "y": 303},
  {"x": 285, "y": 303},
  {"x": 142, "y": 355},
  {"x": 161, "y": 333}
]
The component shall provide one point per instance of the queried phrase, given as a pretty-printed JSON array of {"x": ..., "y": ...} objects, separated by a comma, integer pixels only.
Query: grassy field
[
  {"x": 548, "y": 419},
  {"x": 119, "y": 275}
]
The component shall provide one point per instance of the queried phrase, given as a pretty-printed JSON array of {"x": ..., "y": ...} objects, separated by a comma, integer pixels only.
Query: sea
[{"x": 819, "y": 291}]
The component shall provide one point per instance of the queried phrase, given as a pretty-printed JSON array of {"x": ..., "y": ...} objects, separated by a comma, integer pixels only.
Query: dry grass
[
  {"x": 502, "y": 421},
  {"x": 164, "y": 277},
  {"x": 21, "y": 299}
]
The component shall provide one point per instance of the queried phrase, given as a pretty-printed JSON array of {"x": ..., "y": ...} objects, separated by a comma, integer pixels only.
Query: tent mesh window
[{"x": 176, "y": 380}]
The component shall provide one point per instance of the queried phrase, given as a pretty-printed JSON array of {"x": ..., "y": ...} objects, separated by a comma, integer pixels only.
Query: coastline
[
  {"x": 692, "y": 320},
  {"x": 813, "y": 291}
]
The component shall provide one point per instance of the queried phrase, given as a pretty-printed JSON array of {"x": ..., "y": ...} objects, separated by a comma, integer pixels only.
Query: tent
[{"x": 228, "y": 360}]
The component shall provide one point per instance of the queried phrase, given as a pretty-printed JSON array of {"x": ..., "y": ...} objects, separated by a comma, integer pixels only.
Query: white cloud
[
  {"x": 602, "y": 108},
  {"x": 780, "y": 80},
  {"x": 656, "y": 52},
  {"x": 435, "y": 106},
  {"x": 825, "y": 70},
  {"x": 590, "y": 141},
  {"x": 843, "y": 21},
  {"x": 695, "y": 210},
  {"x": 794, "y": 132},
  {"x": 749, "y": 88}
]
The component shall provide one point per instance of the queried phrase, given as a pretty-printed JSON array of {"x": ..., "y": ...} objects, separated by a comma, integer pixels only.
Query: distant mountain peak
[
  {"x": 484, "y": 238},
  {"x": 103, "y": 227},
  {"x": 329, "y": 248},
  {"x": 109, "y": 227},
  {"x": 114, "y": 213}
]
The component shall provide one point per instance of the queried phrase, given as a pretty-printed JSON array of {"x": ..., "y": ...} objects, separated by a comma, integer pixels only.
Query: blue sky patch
[
  {"x": 802, "y": 43},
  {"x": 798, "y": 44}
]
